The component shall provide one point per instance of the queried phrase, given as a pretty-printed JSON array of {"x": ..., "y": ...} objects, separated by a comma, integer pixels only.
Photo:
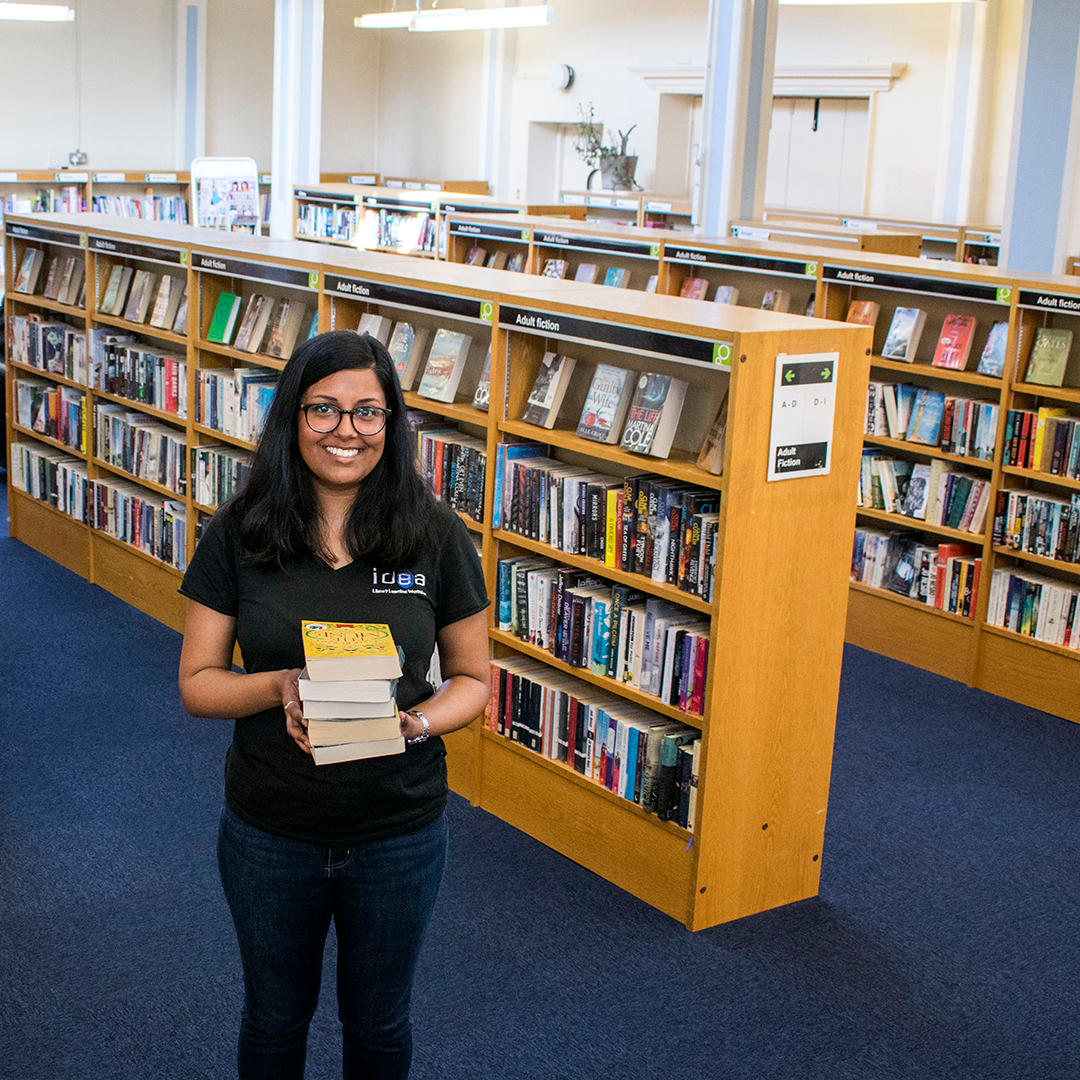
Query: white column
[
  {"x": 960, "y": 194},
  {"x": 1040, "y": 226},
  {"x": 190, "y": 93},
  {"x": 740, "y": 58},
  {"x": 297, "y": 115},
  {"x": 496, "y": 102}
]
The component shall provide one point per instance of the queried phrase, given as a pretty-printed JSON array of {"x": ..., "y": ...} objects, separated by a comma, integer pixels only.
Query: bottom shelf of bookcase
[
  {"x": 56, "y": 535},
  {"x": 911, "y": 633},
  {"x": 1041, "y": 676},
  {"x": 138, "y": 580},
  {"x": 639, "y": 853}
]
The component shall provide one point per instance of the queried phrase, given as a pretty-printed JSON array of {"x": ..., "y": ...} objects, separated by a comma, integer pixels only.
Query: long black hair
[{"x": 391, "y": 521}]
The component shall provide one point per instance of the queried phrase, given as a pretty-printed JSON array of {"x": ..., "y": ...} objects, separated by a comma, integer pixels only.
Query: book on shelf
[
  {"x": 377, "y": 326},
  {"x": 117, "y": 290},
  {"x": 654, "y": 414},
  {"x": 505, "y": 455},
  {"x": 606, "y": 403},
  {"x": 555, "y": 268},
  {"x": 694, "y": 288},
  {"x": 776, "y": 300},
  {"x": 65, "y": 292},
  {"x": 54, "y": 275},
  {"x": 313, "y": 327},
  {"x": 286, "y": 320},
  {"x": 335, "y": 651},
  {"x": 863, "y": 312},
  {"x": 179, "y": 325},
  {"x": 142, "y": 285},
  {"x": 954, "y": 342},
  {"x": 924, "y": 423},
  {"x": 651, "y": 283},
  {"x": 617, "y": 277},
  {"x": 726, "y": 294},
  {"x": 516, "y": 263},
  {"x": 254, "y": 313},
  {"x": 992, "y": 360},
  {"x": 549, "y": 389},
  {"x": 475, "y": 256},
  {"x": 811, "y": 306},
  {"x": 497, "y": 260},
  {"x": 711, "y": 456},
  {"x": 223, "y": 322},
  {"x": 445, "y": 364},
  {"x": 166, "y": 303},
  {"x": 29, "y": 271},
  {"x": 406, "y": 348},
  {"x": 586, "y": 272},
  {"x": 902, "y": 341},
  {"x": 1049, "y": 356},
  {"x": 482, "y": 393}
]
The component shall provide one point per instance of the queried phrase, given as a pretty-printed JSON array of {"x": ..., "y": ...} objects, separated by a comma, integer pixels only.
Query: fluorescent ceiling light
[
  {"x": 37, "y": 13},
  {"x": 865, "y": 3},
  {"x": 390, "y": 20},
  {"x": 482, "y": 18}
]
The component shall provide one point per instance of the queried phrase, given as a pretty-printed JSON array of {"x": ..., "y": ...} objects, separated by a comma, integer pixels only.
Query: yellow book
[
  {"x": 338, "y": 651},
  {"x": 614, "y": 496},
  {"x": 1040, "y": 430}
]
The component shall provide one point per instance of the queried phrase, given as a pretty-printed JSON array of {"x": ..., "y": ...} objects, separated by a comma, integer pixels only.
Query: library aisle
[{"x": 942, "y": 943}]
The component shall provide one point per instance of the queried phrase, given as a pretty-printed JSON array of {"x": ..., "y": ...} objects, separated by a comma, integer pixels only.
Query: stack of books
[{"x": 348, "y": 691}]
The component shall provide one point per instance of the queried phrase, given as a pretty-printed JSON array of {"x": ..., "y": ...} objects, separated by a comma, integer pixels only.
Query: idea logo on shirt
[{"x": 397, "y": 581}]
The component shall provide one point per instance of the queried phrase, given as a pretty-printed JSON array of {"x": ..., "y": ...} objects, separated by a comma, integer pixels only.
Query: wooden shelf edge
[
  {"x": 917, "y": 524},
  {"x": 914, "y": 605}
]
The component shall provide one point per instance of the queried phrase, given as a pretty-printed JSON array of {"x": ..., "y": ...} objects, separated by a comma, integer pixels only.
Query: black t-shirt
[{"x": 269, "y": 781}]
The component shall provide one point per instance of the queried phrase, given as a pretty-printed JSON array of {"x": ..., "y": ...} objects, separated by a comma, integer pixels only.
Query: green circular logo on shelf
[
  {"x": 810, "y": 269},
  {"x": 525, "y": 234},
  {"x": 183, "y": 258},
  {"x": 487, "y": 310},
  {"x": 313, "y": 279},
  {"x": 654, "y": 250},
  {"x": 721, "y": 354},
  {"x": 82, "y": 239},
  {"x": 1004, "y": 294}
]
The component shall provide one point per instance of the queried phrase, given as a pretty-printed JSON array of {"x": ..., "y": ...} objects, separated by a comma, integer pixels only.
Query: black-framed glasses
[{"x": 323, "y": 418}]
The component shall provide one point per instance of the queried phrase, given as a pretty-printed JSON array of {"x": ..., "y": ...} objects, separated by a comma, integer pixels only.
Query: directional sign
[{"x": 804, "y": 403}]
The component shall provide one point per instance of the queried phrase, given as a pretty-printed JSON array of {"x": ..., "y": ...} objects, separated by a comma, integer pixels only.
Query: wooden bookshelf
[
  {"x": 635, "y": 208},
  {"x": 885, "y": 241},
  {"x": 767, "y": 740}
]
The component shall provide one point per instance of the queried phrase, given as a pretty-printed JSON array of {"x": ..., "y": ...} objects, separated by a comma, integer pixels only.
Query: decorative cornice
[{"x": 826, "y": 80}]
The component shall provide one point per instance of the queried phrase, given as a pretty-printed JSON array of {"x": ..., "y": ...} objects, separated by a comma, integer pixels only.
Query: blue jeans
[{"x": 282, "y": 895}]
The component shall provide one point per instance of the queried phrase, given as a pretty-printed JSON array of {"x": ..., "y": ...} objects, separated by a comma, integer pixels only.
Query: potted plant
[{"x": 615, "y": 166}]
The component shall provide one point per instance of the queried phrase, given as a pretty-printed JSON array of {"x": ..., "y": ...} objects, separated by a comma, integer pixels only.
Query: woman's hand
[{"x": 295, "y": 721}]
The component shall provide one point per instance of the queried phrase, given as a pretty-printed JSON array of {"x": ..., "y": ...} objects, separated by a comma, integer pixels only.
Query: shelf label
[
  {"x": 393, "y": 183},
  {"x": 737, "y": 261},
  {"x": 325, "y": 196},
  {"x": 266, "y": 178},
  {"x": 137, "y": 251},
  {"x": 910, "y": 283},
  {"x": 398, "y": 204},
  {"x": 588, "y": 243},
  {"x": 572, "y": 200},
  {"x": 487, "y": 311},
  {"x": 429, "y": 187},
  {"x": 1049, "y": 301},
  {"x": 72, "y": 177},
  {"x": 858, "y": 223},
  {"x": 367, "y": 179},
  {"x": 722, "y": 355},
  {"x": 658, "y": 207},
  {"x": 461, "y": 208},
  {"x": 380, "y": 292},
  {"x": 9, "y": 177},
  {"x": 48, "y": 236},
  {"x": 804, "y": 403},
  {"x": 1004, "y": 294},
  {"x": 219, "y": 264},
  {"x": 109, "y": 178},
  {"x": 161, "y": 178},
  {"x": 490, "y": 232},
  {"x": 627, "y": 337},
  {"x": 625, "y": 204},
  {"x": 748, "y": 232},
  {"x": 991, "y": 239}
]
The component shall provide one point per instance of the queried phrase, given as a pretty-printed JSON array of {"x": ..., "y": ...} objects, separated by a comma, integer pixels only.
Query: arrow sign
[{"x": 800, "y": 438}]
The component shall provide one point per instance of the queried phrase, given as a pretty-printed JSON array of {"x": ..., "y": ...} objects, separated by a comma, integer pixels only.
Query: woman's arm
[
  {"x": 466, "y": 672},
  {"x": 208, "y": 684}
]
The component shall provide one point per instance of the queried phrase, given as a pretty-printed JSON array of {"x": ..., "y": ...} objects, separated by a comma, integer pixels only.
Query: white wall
[{"x": 121, "y": 54}]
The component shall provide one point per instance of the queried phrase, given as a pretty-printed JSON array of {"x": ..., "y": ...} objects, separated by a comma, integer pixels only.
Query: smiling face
[{"x": 340, "y": 459}]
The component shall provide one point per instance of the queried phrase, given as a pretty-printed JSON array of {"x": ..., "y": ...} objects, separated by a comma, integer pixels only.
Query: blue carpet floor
[{"x": 943, "y": 943}]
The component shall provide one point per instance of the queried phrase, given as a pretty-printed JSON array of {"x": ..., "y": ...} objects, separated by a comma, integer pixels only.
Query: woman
[{"x": 334, "y": 524}]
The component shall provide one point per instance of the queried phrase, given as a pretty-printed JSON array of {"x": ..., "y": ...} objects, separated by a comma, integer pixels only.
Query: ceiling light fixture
[
  {"x": 36, "y": 13},
  {"x": 436, "y": 19}
]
